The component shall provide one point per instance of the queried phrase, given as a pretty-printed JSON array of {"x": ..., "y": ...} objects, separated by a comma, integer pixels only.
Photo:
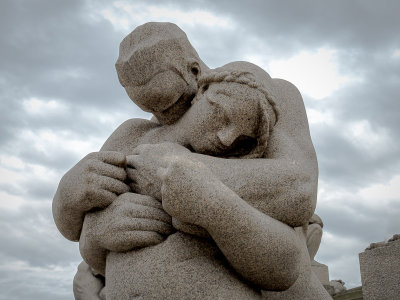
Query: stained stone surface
[
  {"x": 210, "y": 200},
  {"x": 380, "y": 270}
]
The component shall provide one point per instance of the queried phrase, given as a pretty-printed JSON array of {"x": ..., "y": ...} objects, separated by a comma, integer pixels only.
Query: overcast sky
[{"x": 60, "y": 99}]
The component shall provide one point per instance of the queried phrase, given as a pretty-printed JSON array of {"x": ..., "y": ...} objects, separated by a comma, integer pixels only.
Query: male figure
[
  {"x": 289, "y": 174},
  {"x": 159, "y": 69}
]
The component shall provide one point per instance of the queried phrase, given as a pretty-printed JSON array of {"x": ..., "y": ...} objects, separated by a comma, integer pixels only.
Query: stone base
[
  {"x": 321, "y": 271},
  {"x": 380, "y": 270},
  {"x": 351, "y": 294}
]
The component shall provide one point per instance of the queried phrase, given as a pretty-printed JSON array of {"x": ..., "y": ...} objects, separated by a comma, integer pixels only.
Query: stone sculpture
[
  {"x": 314, "y": 236},
  {"x": 380, "y": 269},
  {"x": 338, "y": 286},
  {"x": 210, "y": 200}
]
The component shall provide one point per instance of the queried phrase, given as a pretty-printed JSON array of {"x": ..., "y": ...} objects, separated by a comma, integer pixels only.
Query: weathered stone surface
[
  {"x": 380, "y": 270},
  {"x": 213, "y": 200},
  {"x": 314, "y": 236},
  {"x": 350, "y": 294},
  {"x": 338, "y": 286},
  {"x": 321, "y": 271}
]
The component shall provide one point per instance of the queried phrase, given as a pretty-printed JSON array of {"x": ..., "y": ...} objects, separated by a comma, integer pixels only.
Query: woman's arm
[
  {"x": 284, "y": 186},
  {"x": 263, "y": 250}
]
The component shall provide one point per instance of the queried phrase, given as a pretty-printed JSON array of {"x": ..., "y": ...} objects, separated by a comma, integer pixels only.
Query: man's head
[{"x": 158, "y": 68}]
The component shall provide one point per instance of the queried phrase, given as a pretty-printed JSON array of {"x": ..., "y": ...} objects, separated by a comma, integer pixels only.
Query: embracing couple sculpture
[{"x": 211, "y": 199}]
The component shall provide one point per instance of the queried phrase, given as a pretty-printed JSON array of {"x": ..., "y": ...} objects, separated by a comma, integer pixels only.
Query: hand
[
  {"x": 131, "y": 221},
  {"x": 144, "y": 163},
  {"x": 188, "y": 189},
  {"x": 86, "y": 285},
  {"x": 95, "y": 181}
]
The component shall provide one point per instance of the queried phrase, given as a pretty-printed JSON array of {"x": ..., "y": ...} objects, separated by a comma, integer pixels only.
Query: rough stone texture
[
  {"x": 173, "y": 61},
  {"x": 213, "y": 200},
  {"x": 338, "y": 286},
  {"x": 380, "y": 270},
  {"x": 314, "y": 236},
  {"x": 350, "y": 294},
  {"x": 321, "y": 271}
]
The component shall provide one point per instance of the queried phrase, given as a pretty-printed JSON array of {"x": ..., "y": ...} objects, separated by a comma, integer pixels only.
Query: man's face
[
  {"x": 162, "y": 80},
  {"x": 167, "y": 95}
]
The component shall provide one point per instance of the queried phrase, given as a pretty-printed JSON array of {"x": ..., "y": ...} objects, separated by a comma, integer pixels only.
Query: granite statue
[{"x": 211, "y": 199}]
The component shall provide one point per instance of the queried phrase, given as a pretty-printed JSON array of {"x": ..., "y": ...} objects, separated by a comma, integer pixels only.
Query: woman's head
[{"x": 235, "y": 111}]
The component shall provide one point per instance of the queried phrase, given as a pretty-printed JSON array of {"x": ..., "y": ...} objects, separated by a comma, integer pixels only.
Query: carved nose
[{"x": 227, "y": 135}]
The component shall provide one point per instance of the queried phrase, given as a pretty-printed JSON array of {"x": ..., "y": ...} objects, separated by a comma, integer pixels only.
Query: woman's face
[{"x": 223, "y": 114}]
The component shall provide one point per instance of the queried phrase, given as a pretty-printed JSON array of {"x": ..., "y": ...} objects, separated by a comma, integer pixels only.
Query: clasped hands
[{"x": 137, "y": 219}]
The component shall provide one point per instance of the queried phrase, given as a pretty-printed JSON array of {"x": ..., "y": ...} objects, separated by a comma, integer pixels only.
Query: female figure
[{"x": 232, "y": 112}]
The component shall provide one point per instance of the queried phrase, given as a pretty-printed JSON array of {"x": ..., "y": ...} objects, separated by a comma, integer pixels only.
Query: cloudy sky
[{"x": 60, "y": 99}]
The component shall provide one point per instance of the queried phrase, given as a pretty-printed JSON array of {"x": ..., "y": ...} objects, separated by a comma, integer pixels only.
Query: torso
[{"x": 182, "y": 267}]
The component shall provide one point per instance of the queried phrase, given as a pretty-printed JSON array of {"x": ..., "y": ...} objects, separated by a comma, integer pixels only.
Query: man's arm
[
  {"x": 130, "y": 221},
  {"x": 97, "y": 179},
  {"x": 94, "y": 182}
]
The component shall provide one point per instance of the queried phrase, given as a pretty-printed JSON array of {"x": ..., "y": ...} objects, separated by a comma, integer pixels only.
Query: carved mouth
[{"x": 220, "y": 147}]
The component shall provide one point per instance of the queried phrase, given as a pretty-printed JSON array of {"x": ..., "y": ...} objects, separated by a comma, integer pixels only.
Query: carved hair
[{"x": 266, "y": 120}]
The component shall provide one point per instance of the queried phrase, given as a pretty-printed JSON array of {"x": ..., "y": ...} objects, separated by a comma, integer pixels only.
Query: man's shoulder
[
  {"x": 128, "y": 134},
  {"x": 136, "y": 124}
]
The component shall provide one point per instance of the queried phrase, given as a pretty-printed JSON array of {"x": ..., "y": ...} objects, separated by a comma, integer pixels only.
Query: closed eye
[{"x": 220, "y": 111}]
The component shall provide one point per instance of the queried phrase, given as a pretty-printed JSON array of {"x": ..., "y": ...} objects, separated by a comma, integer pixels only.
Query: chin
[{"x": 175, "y": 111}]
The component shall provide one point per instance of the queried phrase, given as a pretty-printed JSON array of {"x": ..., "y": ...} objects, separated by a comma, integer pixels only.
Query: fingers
[
  {"x": 99, "y": 197},
  {"x": 109, "y": 184},
  {"x": 108, "y": 170},
  {"x": 147, "y": 212},
  {"x": 128, "y": 240},
  {"x": 113, "y": 157},
  {"x": 133, "y": 161},
  {"x": 132, "y": 174},
  {"x": 139, "y": 149},
  {"x": 138, "y": 206},
  {"x": 140, "y": 200},
  {"x": 140, "y": 224}
]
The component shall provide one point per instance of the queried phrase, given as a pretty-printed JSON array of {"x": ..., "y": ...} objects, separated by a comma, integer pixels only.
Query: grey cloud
[
  {"x": 356, "y": 228},
  {"x": 342, "y": 164},
  {"x": 29, "y": 235},
  {"x": 53, "y": 50},
  {"x": 358, "y": 24},
  {"x": 46, "y": 40}
]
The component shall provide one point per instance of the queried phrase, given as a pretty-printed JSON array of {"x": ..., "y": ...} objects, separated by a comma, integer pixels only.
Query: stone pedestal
[
  {"x": 352, "y": 294},
  {"x": 380, "y": 270},
  {"x": 321, "y": 271}
]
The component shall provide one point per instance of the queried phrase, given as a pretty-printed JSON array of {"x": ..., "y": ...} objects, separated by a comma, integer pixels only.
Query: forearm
[
  {"x": 281, "y": 188},
  {"x": 263, "y": 250}
]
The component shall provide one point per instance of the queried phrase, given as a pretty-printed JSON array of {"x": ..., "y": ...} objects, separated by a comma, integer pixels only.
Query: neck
[{"x": 172, "y": 133}]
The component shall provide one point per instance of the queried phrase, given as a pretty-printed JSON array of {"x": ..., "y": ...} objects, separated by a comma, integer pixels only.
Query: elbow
[
  {"x": 62, "y": 218},
  {"x": 303, "y": 198},
  {"x": 286, "y": 270}
]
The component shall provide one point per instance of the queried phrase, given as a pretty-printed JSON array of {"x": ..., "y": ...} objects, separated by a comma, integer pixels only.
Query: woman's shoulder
[{"x": 128, "y": 135}]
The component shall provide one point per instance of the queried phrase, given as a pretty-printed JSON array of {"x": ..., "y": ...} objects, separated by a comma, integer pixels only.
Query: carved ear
[{"x": 194, "y": 68}]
